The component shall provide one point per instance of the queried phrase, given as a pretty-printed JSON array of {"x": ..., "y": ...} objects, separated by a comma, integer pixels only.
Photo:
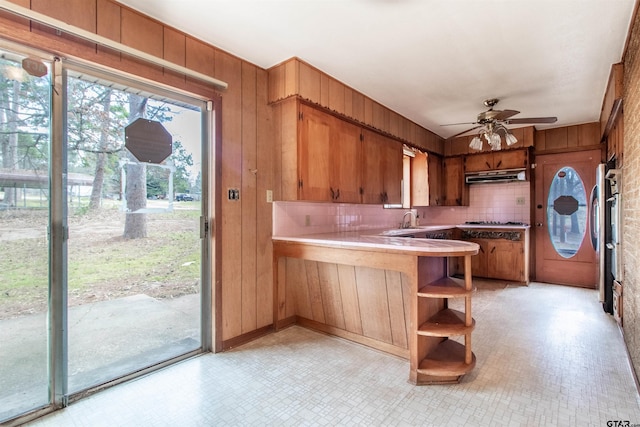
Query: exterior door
[{"x": 564, "y": 254}]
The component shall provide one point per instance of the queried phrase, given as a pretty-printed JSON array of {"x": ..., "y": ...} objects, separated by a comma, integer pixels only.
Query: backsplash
[{"x": 487, "y": 202}]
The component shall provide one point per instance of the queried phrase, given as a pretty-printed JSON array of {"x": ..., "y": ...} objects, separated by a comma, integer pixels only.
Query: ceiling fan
[{"x": 491, "y": 122}]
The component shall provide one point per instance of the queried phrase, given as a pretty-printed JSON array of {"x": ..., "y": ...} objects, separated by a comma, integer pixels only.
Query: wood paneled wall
[
  {"x": 244, "y": 286},
  {"x": 295, "y": 77},
  {"x": 568, "y": 138}
]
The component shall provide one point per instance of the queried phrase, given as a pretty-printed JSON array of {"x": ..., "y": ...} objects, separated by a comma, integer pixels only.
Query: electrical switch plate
[
  {"x": 269, "y": 196},
  {"x": 233, "y": 194},
  {"x": 519, "y": 200}
]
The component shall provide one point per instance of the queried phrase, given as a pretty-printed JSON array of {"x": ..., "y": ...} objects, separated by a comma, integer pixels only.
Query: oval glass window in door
[{"x": 567, "y": 212}]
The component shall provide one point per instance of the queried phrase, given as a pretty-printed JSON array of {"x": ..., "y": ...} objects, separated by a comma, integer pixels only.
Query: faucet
[{"x": 404, "y": 224}]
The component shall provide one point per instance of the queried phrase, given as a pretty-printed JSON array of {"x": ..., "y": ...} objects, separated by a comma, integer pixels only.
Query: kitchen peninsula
[{"x": 390, "y": 293}]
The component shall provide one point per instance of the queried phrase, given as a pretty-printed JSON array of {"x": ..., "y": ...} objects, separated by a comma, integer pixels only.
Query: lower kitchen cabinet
[
  {"x": 505, "y": 260},
  {"x": 503, "y": 255}
]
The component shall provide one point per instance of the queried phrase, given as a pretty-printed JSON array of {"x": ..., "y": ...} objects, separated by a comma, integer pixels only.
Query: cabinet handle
[
  {"x": 493, "y": 249},
  {"x": 333, "y": 194},
  {"x": 337, "y": 194},
  {"x": 481, "y": 249},
  {"x": 488, "y": 165},
  {"x": 499, "y": 163}
]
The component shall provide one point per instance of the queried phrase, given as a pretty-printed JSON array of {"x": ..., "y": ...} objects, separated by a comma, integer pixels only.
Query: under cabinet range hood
[{"x": 495, "y": 176}]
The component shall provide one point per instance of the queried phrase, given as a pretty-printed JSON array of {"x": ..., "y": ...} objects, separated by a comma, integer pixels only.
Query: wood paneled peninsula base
[{"x": 389, "y": 293}]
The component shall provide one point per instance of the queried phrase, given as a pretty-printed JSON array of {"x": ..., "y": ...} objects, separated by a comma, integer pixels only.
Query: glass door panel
[
  {"x": 134, "y": 248},
  {"x": 24, "y": 217}
]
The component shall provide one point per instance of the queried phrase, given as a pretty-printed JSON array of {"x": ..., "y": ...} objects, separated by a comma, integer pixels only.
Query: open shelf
[
  {"x": 446, "y": 360},
  {"x": 446, "y": 287},
  {"x": 446, "y": 323}
]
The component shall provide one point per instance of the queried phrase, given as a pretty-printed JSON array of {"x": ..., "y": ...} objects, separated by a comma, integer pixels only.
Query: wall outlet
[
  {"x": 307, "y": 220},
  {"x": 520, "y": 201},
  {"x": 269, "y": 196}
]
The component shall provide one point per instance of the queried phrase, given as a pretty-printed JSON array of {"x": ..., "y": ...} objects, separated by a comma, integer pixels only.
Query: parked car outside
[{"x": 181, "y": 197}]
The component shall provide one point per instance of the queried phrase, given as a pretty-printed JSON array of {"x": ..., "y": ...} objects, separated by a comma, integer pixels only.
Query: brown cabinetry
[
  {"x": 503, "y": 254},
  {"x": 454, "y": 188},
  {"x": 499, "y": 160},
  {"x": 327, "y": 159},
  {"x": 381, "y": 169}
]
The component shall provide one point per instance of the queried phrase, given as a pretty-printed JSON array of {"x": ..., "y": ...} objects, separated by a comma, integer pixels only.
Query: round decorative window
[{"x": 567, "y": 212}]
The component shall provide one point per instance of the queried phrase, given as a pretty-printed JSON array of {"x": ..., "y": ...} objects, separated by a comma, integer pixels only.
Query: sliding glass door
[
  {"x": 134, "y": 249},
  {"x": 24, "y": 218},
  {"x": 103, "y": 242}
]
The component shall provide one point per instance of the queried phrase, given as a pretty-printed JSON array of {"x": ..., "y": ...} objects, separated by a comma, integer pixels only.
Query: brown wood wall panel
[
  {"x": 229, "y": 70},
  {"x": 397, "y": 309},
  {"x": 309, "y": 83},
  {"x": 301, "y": 289},
  {"x": 348, "y": 101},
  {"x": 141, "y": 32},
  {"x": 16, "y": 22},
  {"x": 108, "y": 22},
  {"x": 276, "y": 83},
  {"x": 324, "y": 90},
  {"x": 248, "y": 190},
  {"x": 349, "y": 295},
  {"x": 200, "y": 57},
  {"x": 264, "y": 214},
  {"x": 358, "y": 106},
  {"x": 80, "y": 13},
  {"x": 374, "y": 310},
  {"x": 330, "y": 291},
  {"x": 336, "y": 96},
  {"x": 315, "y": 292}
]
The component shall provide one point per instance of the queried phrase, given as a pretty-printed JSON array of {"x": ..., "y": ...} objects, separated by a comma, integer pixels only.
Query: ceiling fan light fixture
[
  {"x": 510, "y": 139},
  {"x": 476, "y": 143},
  {"x": 495, "y": 142}
]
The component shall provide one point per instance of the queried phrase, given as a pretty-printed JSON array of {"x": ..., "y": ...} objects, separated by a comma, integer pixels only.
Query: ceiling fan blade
[
  {"x": 468, "y": 130},
  {"x": 532, "y": 120},
  {"x": 456, "y": 124},
  {"x": 505, "y": 114}
]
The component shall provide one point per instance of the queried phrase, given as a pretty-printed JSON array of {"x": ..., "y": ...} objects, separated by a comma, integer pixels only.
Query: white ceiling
[{"x": 433, "y": 61}]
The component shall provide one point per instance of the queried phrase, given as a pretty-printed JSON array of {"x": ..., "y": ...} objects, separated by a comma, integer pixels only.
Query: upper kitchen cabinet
[
  {"x": 382, "y": 169},
  {"x": 497, "y": 160},
  {"x": 328, "y": 158},
  {"x": 454, "y": 186},
  {"x": 296, "y": 78}
]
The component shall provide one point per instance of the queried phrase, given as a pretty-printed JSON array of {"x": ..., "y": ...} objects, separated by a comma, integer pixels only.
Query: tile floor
[{"x": 547, "y": 355}]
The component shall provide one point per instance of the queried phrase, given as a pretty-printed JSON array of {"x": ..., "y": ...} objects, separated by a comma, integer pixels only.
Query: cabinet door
[
  {"x": 314, "y": 155},
  {"x": 372, "y": 168},
  {"x": 478, "y": 162},
  {"x": 515, "y": 159},
  {"x": 479, "y": 261},
  {"x": 392, "y": 171},
  {"x": 345, "y": 162},
  {"x": 435, "y": 180},
  {"x": 505, "y": 260},
  {"x": 455, "y": 193}
]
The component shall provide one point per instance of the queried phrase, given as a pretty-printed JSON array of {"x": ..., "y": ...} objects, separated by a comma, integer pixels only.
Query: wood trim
[{"x": 245, "y": 338}]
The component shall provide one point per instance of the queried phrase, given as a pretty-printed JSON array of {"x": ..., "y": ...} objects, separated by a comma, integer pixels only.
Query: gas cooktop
[{"x": 494, "y": 223}]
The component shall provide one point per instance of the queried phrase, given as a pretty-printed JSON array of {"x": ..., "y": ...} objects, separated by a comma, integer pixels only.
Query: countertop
[
  {"x": 395, "y": 240},
  {"x": 371, "y": 240}
]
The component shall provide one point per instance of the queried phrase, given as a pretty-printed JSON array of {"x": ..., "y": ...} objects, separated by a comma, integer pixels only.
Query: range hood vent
[{"x": 496, "y": 176}]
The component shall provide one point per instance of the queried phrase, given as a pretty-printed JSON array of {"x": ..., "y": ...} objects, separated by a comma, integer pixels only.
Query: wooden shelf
[
  {"x": 446, "y": 360},
  {"x": 447, "y": 287},
  {"x": 446, "y": 323}
]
